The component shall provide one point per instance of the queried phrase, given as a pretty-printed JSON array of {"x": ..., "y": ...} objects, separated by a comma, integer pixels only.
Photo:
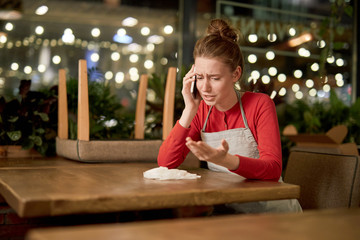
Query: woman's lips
[{"x": 208, "y": 97}]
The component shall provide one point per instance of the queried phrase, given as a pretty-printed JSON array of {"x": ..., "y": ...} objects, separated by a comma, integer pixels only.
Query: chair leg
[{"x": 83, "y": 127}]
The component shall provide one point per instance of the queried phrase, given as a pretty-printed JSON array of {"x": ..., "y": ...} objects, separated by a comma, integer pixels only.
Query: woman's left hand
[{"x": 218, "y": 155}]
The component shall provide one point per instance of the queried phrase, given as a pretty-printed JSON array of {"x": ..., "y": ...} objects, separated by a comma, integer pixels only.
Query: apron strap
[
  {"x": 242, "y": 110},
  {"x": 242, "y": 113},
  {"x": 207, "y": 117}
]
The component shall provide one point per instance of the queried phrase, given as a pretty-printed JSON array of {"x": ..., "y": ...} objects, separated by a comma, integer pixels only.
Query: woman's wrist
[
  {"x": 231, "y": 162},
  {"x": 186, "y": 117}
]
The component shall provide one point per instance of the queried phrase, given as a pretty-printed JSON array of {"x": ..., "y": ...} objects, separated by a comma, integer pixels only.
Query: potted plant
[
  {"x": 319, "y": 117},
  {"x": 109, "y": 120},
  {"x": 28, "y": 122}
]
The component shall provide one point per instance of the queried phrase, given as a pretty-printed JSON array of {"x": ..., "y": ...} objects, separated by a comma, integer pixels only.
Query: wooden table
[
  {"x": 331, "y": 224},
  {"x": 61, "y": 187}
]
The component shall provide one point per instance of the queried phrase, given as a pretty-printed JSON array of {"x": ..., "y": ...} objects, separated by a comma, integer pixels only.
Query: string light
[
  {"x": 115, "y": 56},
  {"x": 252, "y": 58},
  {"x": 39, "y": 30},
  {"x": 295, "y": 87},
  {"x": 145, "y": 31},
  {"x": 272, "y": 71},
  {"x": 255, "y": 74},
  {"x": 272, "y": 37},
  {"x": 163, "y": 61},
  {"x": 282, "y": 91},
  {"x": 119, "y": 77},
  {"x": 340, "y": 62},
  {"x": 3, "y": 39},
  {"x": 168, "y": 29},
  {"x": 42, "y": 10},
  {"x": 330, "y": 59},
  {"x": 148, "y": 64},
  {"x": 312, "y": 92},
  {"x": 156, "y": 39},
  {"x": 298, "y": 73},
  {"x": 321, "y": 43},
  {"x": 281, "y": 77},
  {"x": 95, "y": 32},
  {"x": 315, "y": 67},
  {"x": 326, "y": 88},
  {"x": 41, "y": 68},
  {"x": 108, "y": 75},
  {"x": 150, "y": 47},
  {"x": 27, "y": 69},
  {"x": 9, "y": 26},
  {"x": 270, "y": 55},
  {"x": 121, "y": 32},
  {"x": 265, "y": 79},
  {"x": 14, "y": 66},
  {"x": 94, "y": 57},
  {"x": 129, "y": 22},
  {"x": 273, "y": 94},
  {"x": 253, "y": 38},
  {"x": 134, "y": 58},
  {"x": 340, "y": 82},
  {"x": 309, "y": 83},
  {"x": 292, "y": 31},
  {"x": 56, "y": 59},
  {"x": 299, "y": 95}
]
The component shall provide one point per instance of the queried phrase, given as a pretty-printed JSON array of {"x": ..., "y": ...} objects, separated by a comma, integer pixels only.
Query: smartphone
[{"x": 193, "y": 88}]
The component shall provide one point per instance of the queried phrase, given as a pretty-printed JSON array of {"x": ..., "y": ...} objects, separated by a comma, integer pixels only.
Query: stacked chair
[{"x": 133, "y": 150}]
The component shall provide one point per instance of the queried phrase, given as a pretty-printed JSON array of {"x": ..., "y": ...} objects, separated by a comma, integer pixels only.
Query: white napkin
[{"x": 163, "y": 173}]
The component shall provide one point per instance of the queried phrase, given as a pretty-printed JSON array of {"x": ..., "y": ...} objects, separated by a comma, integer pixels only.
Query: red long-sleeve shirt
[{"x": 262, "y": 120}]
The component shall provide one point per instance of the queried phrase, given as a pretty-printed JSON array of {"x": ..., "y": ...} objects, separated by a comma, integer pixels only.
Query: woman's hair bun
[{"x": 219, "y": 27}]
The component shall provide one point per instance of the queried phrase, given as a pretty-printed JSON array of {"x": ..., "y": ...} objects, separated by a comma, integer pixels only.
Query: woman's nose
[{"x": 205, "y": 85}]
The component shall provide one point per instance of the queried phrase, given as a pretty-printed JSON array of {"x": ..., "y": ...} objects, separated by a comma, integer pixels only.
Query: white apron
[{"x": 242, "y": 142}]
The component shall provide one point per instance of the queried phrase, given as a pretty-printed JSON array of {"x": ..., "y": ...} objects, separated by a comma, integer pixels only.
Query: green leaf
[
  {"x": 40, "y": 130},
  {"x": 28, "y": 144},
  {"x": 43, "y": 116},
  {"x": 338, "y": 45},
  {"x": 349, "y": 10},
  {"x": 340, "y": 30},
  {"x": 36, "y": 139},
  {"x": 13, "y": 119},
  {"x": 14, "y": 135}
]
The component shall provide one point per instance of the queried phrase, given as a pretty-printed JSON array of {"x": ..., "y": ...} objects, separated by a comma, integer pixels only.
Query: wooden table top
[
  {"x": 62, "y": 187},
  {"x": 331, "y": 224}
]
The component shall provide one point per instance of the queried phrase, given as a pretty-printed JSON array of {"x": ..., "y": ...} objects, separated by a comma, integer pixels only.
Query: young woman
[{"x": 235, "y": 132}]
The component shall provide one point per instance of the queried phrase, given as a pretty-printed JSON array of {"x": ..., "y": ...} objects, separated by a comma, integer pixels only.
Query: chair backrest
[
  {"x": 62, "y": 107},
  {"x": 83, "y": 127},
  {"x": 140, "y": 108},
  {"x": 326, "y": 180},
  {"x": 169, "y": 101}
]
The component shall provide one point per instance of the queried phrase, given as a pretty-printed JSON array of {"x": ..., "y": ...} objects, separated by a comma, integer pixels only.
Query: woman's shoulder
[
  {"x": 255, "y": 96},
  {"x": 257, "y": 101}
]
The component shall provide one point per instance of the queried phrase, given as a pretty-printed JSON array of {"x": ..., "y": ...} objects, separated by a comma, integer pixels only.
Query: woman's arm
[
  {"x": 265, "y": 127},
  {"x": 173, "y": 150}
]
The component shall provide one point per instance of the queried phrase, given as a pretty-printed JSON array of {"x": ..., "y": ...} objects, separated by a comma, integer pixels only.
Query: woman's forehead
[{"x": 210, "y": 65}]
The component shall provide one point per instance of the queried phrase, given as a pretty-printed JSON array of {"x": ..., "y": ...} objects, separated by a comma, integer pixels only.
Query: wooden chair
[
  {"x": 326, "y": 180},
  {"x": 86, "y": 150}
]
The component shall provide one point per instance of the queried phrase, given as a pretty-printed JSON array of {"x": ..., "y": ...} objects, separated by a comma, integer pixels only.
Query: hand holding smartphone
[{"x": 193, "y": 88}]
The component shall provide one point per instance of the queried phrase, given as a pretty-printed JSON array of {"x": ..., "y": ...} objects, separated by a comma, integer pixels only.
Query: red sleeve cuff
[{"x": 180, "y": 132}]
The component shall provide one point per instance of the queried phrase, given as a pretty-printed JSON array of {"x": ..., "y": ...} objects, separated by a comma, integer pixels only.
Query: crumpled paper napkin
[{"x": 163, "y": 173}]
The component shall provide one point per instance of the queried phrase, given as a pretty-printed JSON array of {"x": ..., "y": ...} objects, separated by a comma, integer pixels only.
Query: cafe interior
[{"x": 90, "y": 90}]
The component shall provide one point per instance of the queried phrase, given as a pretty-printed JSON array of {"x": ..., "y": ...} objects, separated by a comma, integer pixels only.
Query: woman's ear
[{"x": 237, "y": 74}]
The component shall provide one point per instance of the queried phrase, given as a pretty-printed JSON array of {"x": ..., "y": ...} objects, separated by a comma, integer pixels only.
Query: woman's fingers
[
  {"x": 190, "y": 75},
  {"x": 200, "y": 149},
  {"x": 224, "y": 145}
]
